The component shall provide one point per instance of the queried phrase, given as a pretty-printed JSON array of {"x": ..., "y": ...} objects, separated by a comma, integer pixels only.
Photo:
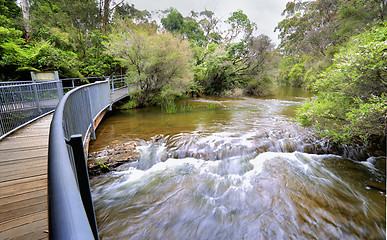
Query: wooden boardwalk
[
  {"x": 23, "y": 179},
  {"x": 23, "y": 182}
]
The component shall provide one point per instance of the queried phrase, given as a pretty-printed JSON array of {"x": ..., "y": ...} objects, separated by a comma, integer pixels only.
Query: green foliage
[
  {"x": 260, "y": 86},
  {"x": 10, "y": 14},
  {"x": 312, "y": 31},
  {"x": 129, "y": 105},
  {"x": 46, "y": 57},
  {"x": 126, "y": 10},
  {"x": 11, "y": 47},
  {"x": 169, "y": 106},
  {"x": 351, "y": 101},
  {"x": 186, "y": 108},
  {"x": 174, "y": 21},
  {"x": 211, "y": 106},
  {"x": 186, "y": 27},
  {"x": 296, "y": 74},
  {"x": 159, "y": 64},
  {"x": 240, "y": 24}
]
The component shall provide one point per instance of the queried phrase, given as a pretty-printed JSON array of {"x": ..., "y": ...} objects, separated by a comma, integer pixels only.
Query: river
[{"x": 223, "y": 168}]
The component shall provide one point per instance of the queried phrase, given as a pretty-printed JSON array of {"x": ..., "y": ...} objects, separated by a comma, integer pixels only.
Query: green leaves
[
  {"x": 351, "y": 101},
  {"x": 240, "y": 24},
  {"x": 158, "y": 63}
]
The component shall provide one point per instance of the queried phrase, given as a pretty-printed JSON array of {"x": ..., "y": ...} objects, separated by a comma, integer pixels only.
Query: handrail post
[
  {"x": 35, "y": 93},
  {"x": 112, "y": 81},
  {"x": 76, "y": 144},
  {"x": 93, "y": 137},
  {"x": 2, "y": 128},
  {"x": 58, "y": 85},
  {"x": 110, "y": 96}
]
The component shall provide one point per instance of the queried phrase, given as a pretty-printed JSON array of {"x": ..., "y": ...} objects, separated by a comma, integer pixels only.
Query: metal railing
[
  {"x": 23, "y": 102},
  {"x": 117, "y": 83},
  {"x": 71, "y": 83},
  {"x": 71, "y": 212}
]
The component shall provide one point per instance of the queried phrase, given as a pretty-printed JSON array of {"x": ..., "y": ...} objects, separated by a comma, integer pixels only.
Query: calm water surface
[{"x": 232, "y": 169}]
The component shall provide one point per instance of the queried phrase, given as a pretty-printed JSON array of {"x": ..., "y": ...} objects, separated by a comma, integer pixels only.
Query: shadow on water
[{"x": 234, "y": 169}]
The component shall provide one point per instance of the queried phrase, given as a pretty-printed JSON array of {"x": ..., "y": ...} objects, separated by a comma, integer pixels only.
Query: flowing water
[{"x": 233, "y": 169}]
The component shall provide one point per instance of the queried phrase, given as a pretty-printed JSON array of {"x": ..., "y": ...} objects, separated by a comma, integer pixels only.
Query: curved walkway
[
  {"x": 23, "y": 179},
  {"x": 23, "y": 182}
]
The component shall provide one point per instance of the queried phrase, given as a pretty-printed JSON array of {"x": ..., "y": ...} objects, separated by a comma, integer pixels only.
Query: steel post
[
  {"x": 76, "y": 144},
  {"x": 93, "y": 137},
  {"x": 59, "y": 86}
]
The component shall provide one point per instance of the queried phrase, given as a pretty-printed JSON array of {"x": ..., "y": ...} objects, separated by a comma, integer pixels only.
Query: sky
[{"x": 265, "y": 13}]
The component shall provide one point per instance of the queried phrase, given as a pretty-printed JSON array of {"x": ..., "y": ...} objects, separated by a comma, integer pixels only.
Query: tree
[
  {"x": 209, "y": 25},
  {"x": 308, "y": 26},
  {"x": 351, "y": 98},
  {"x": 10, "y": 14},
  {"x": 126, "y": 10},
  {"x": 173, "y": 22},
  {"x": 241, "y": 65},
  {"x": 240, "y": 26},
  {"x": 26, "y": 16},
  {"x": 187, "y": 27},
  {"x": 159, "y": 64},
  {"x": 107, "y": 8},
  {"x": 312, "y": 31}
]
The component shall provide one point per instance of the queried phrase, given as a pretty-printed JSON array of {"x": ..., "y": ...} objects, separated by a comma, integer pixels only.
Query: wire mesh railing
[
  {"x": 71, "y": 212},
  {"x": 22, "y": 102}
]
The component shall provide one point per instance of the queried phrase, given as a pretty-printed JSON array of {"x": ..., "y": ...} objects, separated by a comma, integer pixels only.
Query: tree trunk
[
  {"x": 26, "y": 17},
  {"x": 105, "y": 17}
]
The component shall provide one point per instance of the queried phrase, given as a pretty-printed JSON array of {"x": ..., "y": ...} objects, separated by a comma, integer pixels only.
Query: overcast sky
[{"x": 265, "y": 13}]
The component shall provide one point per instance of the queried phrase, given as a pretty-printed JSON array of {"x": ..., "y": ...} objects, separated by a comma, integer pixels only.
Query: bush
[
  {"x": 351, "y": 98},
  {"x": 158, "y": 63}
]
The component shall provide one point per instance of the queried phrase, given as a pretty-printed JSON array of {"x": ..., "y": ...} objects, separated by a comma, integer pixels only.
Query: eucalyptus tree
[
  {"x": 187, "y": 27},
  {"x": 126, "y": 10},
  {"x": 312, "y": 31}
]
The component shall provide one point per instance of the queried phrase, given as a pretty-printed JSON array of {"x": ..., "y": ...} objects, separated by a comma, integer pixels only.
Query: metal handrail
[
  {"x": 23, "y": 102},
  {"x": 71, "y": 212}
]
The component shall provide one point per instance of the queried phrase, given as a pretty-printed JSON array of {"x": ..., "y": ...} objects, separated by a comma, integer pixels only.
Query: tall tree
[
  {"x": 107, "y": 8},
  {"x": 128, "y": 10},
  {"x": 188, "y": 27},
  {"x": 240, "y": 26},
  {"x": 27, "y": 17},
  {"x": 174, "y": 21}
]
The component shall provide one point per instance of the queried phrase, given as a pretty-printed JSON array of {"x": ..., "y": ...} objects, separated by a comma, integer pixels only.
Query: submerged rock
[{"x": 108, "y": 159}]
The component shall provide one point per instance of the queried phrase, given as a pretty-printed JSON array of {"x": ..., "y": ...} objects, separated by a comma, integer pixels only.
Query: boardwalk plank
[
  {"x": 17, "y": 143},
  {"x": 15, "y": 189},
  {"x": 23, "y": 182},
  {"x": 23, "y": 211},
  {"x": 23, "y": 174},
  {"x": 24, "y": 225},
  {"x": 8, "y": 207},
  {"x": 16, "y": 155},
  {"x": 13, "y": 167},
  {"x": 24, "y": 196}
]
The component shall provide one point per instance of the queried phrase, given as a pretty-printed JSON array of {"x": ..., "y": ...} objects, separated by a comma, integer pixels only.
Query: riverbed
[{"x": 221, "y": 168}]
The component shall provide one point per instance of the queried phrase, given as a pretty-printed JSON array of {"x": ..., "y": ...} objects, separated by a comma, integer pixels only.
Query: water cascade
[{"x": 243, "y": 170}]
